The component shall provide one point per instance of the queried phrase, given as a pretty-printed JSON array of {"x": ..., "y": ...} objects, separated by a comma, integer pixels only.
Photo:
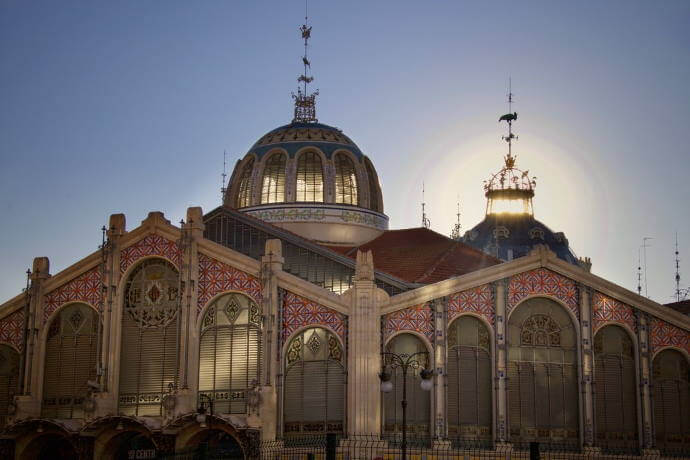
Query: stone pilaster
[
  {"x": 587, "y": 370},
  {"x": 501, "y": 385},
  {"x": 644, "y": 364},
  {"x": 363, "y": 355},
  {"x": 440, "y": 310},
  {"x": 28, "y": 403},
  {"x": 271, "y": 265}
]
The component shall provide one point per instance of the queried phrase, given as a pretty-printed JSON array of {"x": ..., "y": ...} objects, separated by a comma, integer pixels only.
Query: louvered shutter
[
  {"x": 294, "y": 389},
  {"x": 572, "y": 401},
  {"x": 468, "y": 386},
  {"x": 9, "y": 373},
  {"x": 335, "y": 392},
  {"x": 453, "y": 390},
  {"x": 629, "y": 402},
  {"x": 556, "y": 397},
  {"x": 514, "y": 399}
]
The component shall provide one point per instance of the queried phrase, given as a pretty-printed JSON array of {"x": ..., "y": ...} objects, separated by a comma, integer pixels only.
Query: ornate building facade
[{"x": 266, "y": 318}]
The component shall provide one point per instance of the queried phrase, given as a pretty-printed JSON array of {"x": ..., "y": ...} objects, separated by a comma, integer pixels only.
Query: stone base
[
  {"x": 650, "y": 453},
  {"x": 441, "y": 444}
]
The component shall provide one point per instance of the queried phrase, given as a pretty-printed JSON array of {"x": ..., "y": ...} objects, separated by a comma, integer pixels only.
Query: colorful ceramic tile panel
[
  {"x": 87, "y": 287},
  {"x": 543, "y": 281},
  {"x": 299, "y": 312},
  {"x": 605, "y": 309},
  {"x": 11, "y": 328},
  {"x": 663, "y": 334},
  {"x": 216, "y": 277},
  {"x": 478, "y": 300},
  {"x": 151, "y": 245},
  {"x": 418, "y": 318}
]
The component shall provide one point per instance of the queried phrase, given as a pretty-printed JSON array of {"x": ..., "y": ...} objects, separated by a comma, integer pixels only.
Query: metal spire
[
  {"x": 425, "y": 222},
  {"x": 224, "y": 176},
  {"x": 639, "y": 272},
  {"x": 305, "y": 103},
  {"x": 644, "y": 258},
  {"x": 677, "y": 271},
  {"x": 455, "y": 233},
  {"x": 509, "y": 117}
]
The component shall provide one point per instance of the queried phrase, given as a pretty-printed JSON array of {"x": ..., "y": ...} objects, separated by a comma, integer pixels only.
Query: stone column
[
  {"x": 363, "y": 355},
  {"x": 28, "y": 403},
  {"x": 644, "y": 364},
  {"x": 440, "y": 309},
  {"x": 267, "y": 398},
  {"x": 106, "y": 399},
  {"x": 500, "y": 289},
  {"x": 587, "y": 370}
]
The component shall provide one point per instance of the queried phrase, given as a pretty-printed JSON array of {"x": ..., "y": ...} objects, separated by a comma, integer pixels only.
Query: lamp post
[
  {"x": 205, "y": 401},
  {"x": 405, "y": 362}
]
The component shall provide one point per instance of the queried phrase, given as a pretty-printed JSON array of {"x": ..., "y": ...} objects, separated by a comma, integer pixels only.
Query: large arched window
[
  {"x": 542, "y": 373},
  {"x": 616, "y": 388},
  {"x": 70, "y": 361},
  {"x": 309, "y": 177},
  {"x": 345, "y": 180},
  {"x": 273, "y": 181},
  {"x": 469, "y": 379},
  {"x": 314, "y": 397},
  {"x": 671, "y": 380},
  {"x": 149, "y": 345},
  {"x": 244, "y": 190},
  {"x": 418, "y": 400},
  {"x": 230, "y": 352},
  {"x": 374, "y": 198},
  {"x": 9, "y": 378}
]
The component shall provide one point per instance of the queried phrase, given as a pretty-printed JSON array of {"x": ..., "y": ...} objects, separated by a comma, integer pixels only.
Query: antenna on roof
[
  {"x": 677, "y": 271},
  {"x": 224, "y": 176},
  {"x": 644, "y": 252},
  {"x": 425, "y": 222},
  {"x": 455, "y": 233}
]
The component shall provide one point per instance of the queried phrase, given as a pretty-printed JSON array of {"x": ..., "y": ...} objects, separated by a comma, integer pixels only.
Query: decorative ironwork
[
  {"x": 295, "y": 350},
  {"x": 540, "y": 331},
  {"x": 334, "y": 350},
  {"x": 152, "y": 294},
  {"x": 232, "y": 309},
  {"x": 305, "y": 103},
  {"x": 314, "y": 343}
]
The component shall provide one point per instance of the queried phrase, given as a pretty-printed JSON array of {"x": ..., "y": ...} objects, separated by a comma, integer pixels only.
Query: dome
[
  {"x": 509, "y": 236},
  {"x": 313, "y": 180}
]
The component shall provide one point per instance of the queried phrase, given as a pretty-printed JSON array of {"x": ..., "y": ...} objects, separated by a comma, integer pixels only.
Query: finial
[
  {"x": 224, "y": 176},
  {"x": 425, "y": 222},
  {"x": 305, "y": 103},
  {"x": 677, "y": 272},
  {"x": 455, "y": 233},
  {"x": 509, "y": 117}
]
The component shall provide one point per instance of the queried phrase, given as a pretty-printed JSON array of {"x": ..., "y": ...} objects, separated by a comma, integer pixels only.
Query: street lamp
[
  {"x": 404, "y": 361},
  {"x": 201, "y": 410}
]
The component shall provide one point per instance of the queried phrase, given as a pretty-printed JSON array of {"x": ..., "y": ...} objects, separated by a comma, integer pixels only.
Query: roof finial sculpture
[
  {"x": 425, "y": 221},
  {"x": 455, "y": 233},
  {"x": 305, "y": 103}
]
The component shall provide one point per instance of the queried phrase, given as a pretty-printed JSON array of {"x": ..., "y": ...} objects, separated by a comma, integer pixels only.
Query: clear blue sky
[{"x": 127, "y": 107}]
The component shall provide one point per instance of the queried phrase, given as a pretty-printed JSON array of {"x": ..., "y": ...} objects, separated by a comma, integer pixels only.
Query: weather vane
[
  {"x": 305, "y": 103},
  {"x": 510, "y": 117}
]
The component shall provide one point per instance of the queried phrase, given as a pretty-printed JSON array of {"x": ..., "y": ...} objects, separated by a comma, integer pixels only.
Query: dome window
[
  {"x": 309, "y": 177},
  {"x": 345, "y": 180},
  {"x": 273, "y": 182},
  {"x": 536, "y": 233},
  {"x": 501, "y": 232},
  {"x": 244, "y": 193},
  {"x": 374, "y": 188}
]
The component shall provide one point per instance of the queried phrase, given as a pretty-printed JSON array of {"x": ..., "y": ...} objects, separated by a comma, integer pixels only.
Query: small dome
[
  {"x": 312, "y": 179},
  {"x": 509, "y": 236}
]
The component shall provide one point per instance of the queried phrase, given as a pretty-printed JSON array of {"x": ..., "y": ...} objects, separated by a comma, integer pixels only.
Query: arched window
[
  {"x": 345, "y": 180},
  {"x": 149, "y": 345},
  {"x": 309, "y": 177},
  {"x": 374, "y": 198},
  {"x": 469, "y": 379},
  {"x": 9, "y": 380},
  {"x": 542, "y": 373},
  {"x": 671, "y": 380},
  {"x": 616, "y": 388},
  {"x": 70, "y": 361},
  {"x": 230, "y": 352},
  {"x": 314, "y": 398},
  {"x": 418, "y": 400},
  {"x": 244, "y": 190},
  {"x": 273, "y": 182}
]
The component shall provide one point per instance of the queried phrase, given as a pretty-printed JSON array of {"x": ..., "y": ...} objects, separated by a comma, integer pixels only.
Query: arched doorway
[
  {"x": 50, "y": 446},
  {"x": 543, "y": 398},
  {"x": 131, "y": 445},
  {"x": 671, "y": 380},
  {"x": 214, "y": 443}
]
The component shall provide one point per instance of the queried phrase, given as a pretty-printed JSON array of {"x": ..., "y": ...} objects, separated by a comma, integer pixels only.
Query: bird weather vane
[{"x": 305, "y": 103}]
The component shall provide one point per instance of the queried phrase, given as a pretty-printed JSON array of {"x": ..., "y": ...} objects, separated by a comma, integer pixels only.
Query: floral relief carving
[
  {"x": 216, "y": 277},
  {"x": 151, "y": 245},
  {"x": 605, "y": 309},
  {"x": 87, "y": 288},
  {"x": 546, "y": 282},
  {"x": 299, "y": 312},
  {"x": 479, "y": 300},
  {"x": 418, "y": 318}
]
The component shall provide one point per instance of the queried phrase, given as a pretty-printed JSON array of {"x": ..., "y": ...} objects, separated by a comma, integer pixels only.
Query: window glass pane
[
  {"x": 345, "y": 180},
  {"x": 273, "y": 182},
  {"x": 244, "y": 191},
  {"x": 309, "y": 177}
]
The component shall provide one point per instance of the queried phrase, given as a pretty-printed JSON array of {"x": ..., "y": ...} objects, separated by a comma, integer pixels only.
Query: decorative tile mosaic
[
  {"x": 418, "y": 318},
  {"x": 478, "y": 300},
  {"x": 299, "y": 312},
  {"x": 216, "y": 277},
  {"x": 151, "y": 245},
  {"x": 11, "y": 328},
  {"x": 663, "y": 334},
  {"x": 543, "y": 281},
  {"x": 605, "y": 309},
  {"x": 87, "y": 287}
]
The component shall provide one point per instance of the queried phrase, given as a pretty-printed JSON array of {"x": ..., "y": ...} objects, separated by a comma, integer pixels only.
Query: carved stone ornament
[{"x": 254, "y": 396}]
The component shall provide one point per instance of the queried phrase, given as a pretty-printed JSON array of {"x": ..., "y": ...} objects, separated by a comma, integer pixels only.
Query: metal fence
[{"x": 377, "y": 447}]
